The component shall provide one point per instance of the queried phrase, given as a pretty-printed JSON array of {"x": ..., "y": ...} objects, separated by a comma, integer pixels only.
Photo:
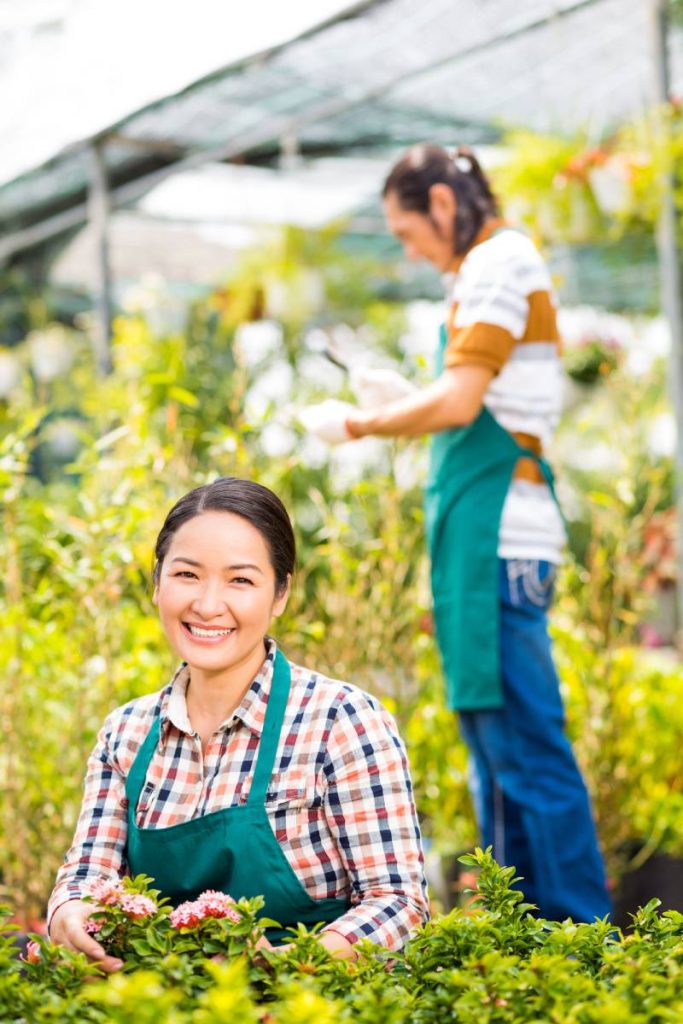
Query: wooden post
[{"x": 98, "y": 214}]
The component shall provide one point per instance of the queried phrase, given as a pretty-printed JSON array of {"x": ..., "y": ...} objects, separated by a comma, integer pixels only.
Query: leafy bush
[{"x": 495, "y": 962}]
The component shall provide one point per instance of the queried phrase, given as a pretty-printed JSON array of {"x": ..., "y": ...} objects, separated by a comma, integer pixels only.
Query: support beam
[
  {"x": 670, "y": 271},
  {"x": 98, "y": 212},
  {"x": 274, "y": 128}
]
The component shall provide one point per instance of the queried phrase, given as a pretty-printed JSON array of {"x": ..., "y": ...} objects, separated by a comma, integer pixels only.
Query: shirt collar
[
  {"x": 251, "y": 710},
  {"x": 485, "y": 232}
]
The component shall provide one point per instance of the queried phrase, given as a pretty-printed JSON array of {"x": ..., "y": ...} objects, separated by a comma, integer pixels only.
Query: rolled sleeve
[
  {"x": 99, "y": 842},
  {"x": 371, "y": 813}
]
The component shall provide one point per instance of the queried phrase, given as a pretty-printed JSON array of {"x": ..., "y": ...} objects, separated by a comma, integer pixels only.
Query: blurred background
[{"x": 189, "y": 219}]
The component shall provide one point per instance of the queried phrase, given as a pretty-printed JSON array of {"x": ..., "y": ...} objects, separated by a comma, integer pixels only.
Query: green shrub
[{"x": 495, "y": 962}]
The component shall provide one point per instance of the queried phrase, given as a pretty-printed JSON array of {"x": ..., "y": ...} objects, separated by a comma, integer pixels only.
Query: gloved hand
[
  {"x": 327, "y": 420},
  {"x": 373, "y": 387}
]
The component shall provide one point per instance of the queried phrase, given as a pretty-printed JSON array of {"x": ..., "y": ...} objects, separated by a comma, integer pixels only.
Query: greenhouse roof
[{"x": 374, "y": 77}]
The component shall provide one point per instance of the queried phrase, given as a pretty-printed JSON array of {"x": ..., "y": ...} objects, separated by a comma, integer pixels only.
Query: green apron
[
  {"x": 470, "y": 472},
  {"x": 234, "y": 850}
]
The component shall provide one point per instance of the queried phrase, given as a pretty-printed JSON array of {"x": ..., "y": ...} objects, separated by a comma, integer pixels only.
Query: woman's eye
[
  {"x": 241, "y": 579},
  {"x": 185, "y": 574}
]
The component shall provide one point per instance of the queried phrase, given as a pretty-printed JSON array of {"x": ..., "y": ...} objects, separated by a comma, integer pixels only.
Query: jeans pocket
[{"x": 530, "y": 582}]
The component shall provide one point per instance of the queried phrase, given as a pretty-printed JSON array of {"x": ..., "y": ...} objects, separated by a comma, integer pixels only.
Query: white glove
[
  {"x": 378, "y": 387},
  {"x": 327, "y": 420}
]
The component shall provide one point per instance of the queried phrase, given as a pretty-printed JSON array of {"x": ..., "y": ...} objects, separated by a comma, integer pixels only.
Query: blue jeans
[{"x": 531, "y": 803}]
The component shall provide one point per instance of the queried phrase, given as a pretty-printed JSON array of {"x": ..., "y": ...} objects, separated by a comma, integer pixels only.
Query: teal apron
[
  {"x": 234, "y": 850},
  {"x": 470, "y": 472}
]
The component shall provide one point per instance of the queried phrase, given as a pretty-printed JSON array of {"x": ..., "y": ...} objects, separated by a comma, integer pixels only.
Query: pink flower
[
  {"x": 208, "y": 904},
  {"x": 92, "y": 926},
  {"x": 187, "y": 915},
  {"x": 218, "y": 904},
  {"x": 106, "y": 892},
  {"x": 33, "y": 953},
  {"x": 137, "y": 906}
]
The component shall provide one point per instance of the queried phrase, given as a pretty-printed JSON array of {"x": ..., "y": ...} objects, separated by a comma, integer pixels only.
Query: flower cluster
[
  {"x": 112, "y": 894},
  {"x": 209, "y": 904},
  {"x": 33, "y": 953},
  {"x": 105, "y": 892}
]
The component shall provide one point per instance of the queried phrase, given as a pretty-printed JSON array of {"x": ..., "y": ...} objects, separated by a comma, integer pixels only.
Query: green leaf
[{"x": 184, "y": 396}]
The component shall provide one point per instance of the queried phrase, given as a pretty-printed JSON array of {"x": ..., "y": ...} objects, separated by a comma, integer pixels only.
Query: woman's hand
[
  {"x": 327, "y": 420},
  {"x": 67, "y": 928}
]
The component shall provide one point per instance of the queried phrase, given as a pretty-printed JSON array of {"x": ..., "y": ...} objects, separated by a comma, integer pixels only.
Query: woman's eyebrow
[{"x": 226, "y": 568}]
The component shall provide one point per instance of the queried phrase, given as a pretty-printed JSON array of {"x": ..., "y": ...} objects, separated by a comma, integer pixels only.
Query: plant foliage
[{"x": 495, "y": 962}]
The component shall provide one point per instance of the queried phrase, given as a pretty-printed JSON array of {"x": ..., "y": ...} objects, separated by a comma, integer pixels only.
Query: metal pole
[
  {"x": 670, "y": 269},
  {"x": 98, "y": 212}
]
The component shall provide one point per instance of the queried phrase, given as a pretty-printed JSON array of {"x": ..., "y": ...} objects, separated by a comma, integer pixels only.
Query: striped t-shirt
[{"x": 502, "y": 315}]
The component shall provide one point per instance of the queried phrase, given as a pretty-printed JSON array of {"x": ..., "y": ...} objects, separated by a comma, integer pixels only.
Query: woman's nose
[{"x": 209, "y": 602}]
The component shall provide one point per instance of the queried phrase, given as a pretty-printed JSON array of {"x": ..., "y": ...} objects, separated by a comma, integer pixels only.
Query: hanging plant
[
  {"x": 591, "y": 361},
  {"x": 572, "y": 190}
]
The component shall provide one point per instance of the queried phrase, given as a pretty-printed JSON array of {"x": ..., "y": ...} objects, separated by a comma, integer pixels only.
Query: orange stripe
[
  {"x": 528, "y": 441},
  {"x": 479, "y": 344},
  {"x": 541, "y": 322},
  {"x": 527, "y": 469}
]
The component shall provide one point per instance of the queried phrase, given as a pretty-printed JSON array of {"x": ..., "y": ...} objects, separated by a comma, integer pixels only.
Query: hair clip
[{"x": 463, "y": 163}]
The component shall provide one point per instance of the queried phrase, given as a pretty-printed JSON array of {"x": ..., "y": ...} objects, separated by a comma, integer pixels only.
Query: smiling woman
[{"x": 247, "y": 774}]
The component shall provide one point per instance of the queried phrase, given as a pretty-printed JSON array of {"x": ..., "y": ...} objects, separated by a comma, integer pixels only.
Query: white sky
[{"x": 68, "y": 68}]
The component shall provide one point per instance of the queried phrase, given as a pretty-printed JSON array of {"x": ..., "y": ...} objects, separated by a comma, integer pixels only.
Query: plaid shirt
[{"x": 340, "y": 799}]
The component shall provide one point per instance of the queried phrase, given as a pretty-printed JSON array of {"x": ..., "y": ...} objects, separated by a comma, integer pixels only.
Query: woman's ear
[
  {"x": 442, "y": 210},
  {"x": 281, "y": 597},
  {"x": 442, "y": 202}
]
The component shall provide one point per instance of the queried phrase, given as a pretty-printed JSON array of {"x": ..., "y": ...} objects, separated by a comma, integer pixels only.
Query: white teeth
[{"x": 196, "y": 631}]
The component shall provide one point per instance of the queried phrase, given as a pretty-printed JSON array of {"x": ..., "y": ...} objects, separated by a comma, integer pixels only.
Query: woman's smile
[{"x": 211, "y": 635}]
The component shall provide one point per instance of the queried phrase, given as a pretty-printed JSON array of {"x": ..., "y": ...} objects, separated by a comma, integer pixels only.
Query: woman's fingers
[
  {"x": 68, "y": 929},
  {"x": 75, "y": 937},
  {"x": 110, "y": 964},
  {"x": 79, "y": 940}
]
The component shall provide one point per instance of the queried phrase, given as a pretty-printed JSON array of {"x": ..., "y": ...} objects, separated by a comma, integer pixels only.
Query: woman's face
[
  {"x": 430, "y": 237},
  {"x": 216, "y": 594}
]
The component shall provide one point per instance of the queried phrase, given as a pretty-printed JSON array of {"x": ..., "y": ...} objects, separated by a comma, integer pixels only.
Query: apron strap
[
  {"x": 272, "y": 727},
  {"x": 270, "y": 738},
  {"x": 135, "y": 779}
]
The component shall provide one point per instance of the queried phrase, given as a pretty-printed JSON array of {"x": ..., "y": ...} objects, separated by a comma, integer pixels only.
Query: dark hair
[
  {"x": 423, "y": 166},
  {"x": 258, "y": 505}
]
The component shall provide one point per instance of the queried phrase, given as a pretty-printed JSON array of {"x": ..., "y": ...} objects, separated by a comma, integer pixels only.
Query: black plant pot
[{"x": 661, "y": 876}]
